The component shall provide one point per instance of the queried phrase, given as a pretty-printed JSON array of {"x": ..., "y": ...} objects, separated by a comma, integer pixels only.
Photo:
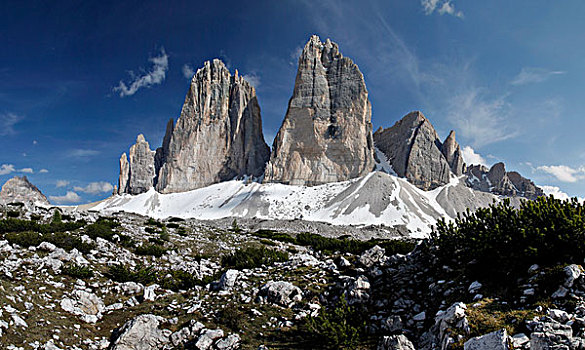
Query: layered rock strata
[
  {"x": 218, "y": 137},
  {"x": 326, "y": 135},
  {"x": 413, "y": 148}
]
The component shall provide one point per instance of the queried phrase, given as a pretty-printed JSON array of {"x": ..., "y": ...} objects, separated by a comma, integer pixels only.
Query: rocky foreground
[{"x": 78, "y": 281}]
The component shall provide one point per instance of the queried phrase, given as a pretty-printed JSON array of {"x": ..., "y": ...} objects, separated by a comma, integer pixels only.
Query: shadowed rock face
[
  {"x": 326, "y": 135},
  {"x": 19, "y": 189},
  {"x": 498, "y": 181},
  {"x": 453, "y": 155},
  {"x": 218, "y": 136},
  {"x": 415, "y": 152}
]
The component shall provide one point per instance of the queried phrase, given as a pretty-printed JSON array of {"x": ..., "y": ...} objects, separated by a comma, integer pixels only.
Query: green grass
[{"x": 252, "y": 257}]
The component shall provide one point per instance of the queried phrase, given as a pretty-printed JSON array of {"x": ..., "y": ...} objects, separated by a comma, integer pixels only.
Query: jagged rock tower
[
  {"x": 415, "y": 152},
  {"x": 326, "y": 135},
  {"x": 217, "y": 137},
  {"x": 19, "y": 189}
]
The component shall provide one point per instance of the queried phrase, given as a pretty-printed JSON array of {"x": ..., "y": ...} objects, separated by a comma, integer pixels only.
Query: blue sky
[{"x": 80, "y": 80}]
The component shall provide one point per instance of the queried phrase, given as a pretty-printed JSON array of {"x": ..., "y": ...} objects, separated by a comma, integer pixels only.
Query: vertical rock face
[
  {"x": 414, "y": 150},
  {"x": 162, "y": 153},
  {"x": 326, "y": 135},
  {"x": 218, "y": 136},
  {"x": 141, "y": 167},
  {"x": 498, "y": 181},
  {"x": 453, "y": 155},
  {"x": 19, "y": 189},
  {"x": 137, "y": 171},
  {"x": 124, "y": 174}
]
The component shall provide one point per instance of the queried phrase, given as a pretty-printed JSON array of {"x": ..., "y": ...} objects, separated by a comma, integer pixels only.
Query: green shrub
[
  {"x": 164, "y": 234},
  {"x": 77, "y": 271},
  {"x": 68, "y": 241},
  {"x": 102, "y": 228},
  {"x": 16, "y": 225},
  {"x": 176, "y": 280},
  {"x": 150, "y": 249},
  {"x": 24, "y": 239},
  {"x": 141, "y": 274},
  {"x": 13, "y": 214},
  {"x": 173, "y": 225},
  {"x": 342, "y": 244},
  {"x": 249, "y": 258},
  {"x": 497, "y": 244},
  {"x": 57, "y": 219},
  {"x": 340, "y": 328}
]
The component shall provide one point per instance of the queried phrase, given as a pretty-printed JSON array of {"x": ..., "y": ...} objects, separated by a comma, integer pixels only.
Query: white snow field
[{"x": 378, "y": 198}]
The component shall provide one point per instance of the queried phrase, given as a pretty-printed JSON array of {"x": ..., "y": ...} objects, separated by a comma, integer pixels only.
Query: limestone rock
[
  {"x": 86, "y": 305},
  {"x": 19, "y": 189},
  {"x": 218, "y": 135},
  {"x": 497, "y": 340},
  {"x": 326, "y": 135},
  {"x": 395, "y": 342},
  {"x": 141, "y": 333},
  {"x": 498, "y": 181},
  {"x": 141, "y": 167},
  {"x": 453, "y": 155},
  {"x": 415, "y": 152},
  {"x": 162, "y": 153},
  {"x": 281, "y": 293},
  {"x": 124, "y": 174}
]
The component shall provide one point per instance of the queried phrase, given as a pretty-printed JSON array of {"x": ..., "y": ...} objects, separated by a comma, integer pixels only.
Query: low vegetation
[{"x": 249, "y": 258}]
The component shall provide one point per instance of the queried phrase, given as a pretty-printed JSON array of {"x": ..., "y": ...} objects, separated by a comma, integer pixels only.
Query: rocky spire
[
  {"x": 19, "y": 189},
  {"x": 452, "y": 153},
  {"x": 124, "y": 174},
  {"x": 162, "y": 152},
  {"x": 326, "y": 135},
  {"x": 413, "y": 148},
  {"x": 218, "y": 135},
  {"x": 137, "y": 170}
]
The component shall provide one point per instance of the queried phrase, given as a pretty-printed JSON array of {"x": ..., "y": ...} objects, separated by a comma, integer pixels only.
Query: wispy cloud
[
  {"x": 442, "y": 7},
  {"x": 480, "y": 119},
  {"x": 69, "y": 198},
  {"x": 6, "y": 169},
  {"x": 61, "y": 183},
  {"x": 530, "y": 75},
  {"x": 26, "y": 170},
  {"x": 564, "y": 173},
  {"x": 43, "y": 171},
  {"x": 95, "y": 187},
  {"x": 82, "y": 153},
  {"x": 160, "y": 65},
  {"x": 253, "y": 79},
  {"x": 188, "y": 71},
  {"x": 7, "y": 122},
  {"x": 471, "y": 157}
]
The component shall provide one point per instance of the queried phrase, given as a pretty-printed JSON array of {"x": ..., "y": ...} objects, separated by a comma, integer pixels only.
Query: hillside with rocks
[{"x": 79, "y": 280}]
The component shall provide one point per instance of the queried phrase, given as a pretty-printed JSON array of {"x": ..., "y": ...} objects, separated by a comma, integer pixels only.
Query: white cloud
[
  {"x": 253, "y": 79},
  {"x": 555, "y": 192},
  {"x": 441, "y": 6},
  {"x": 480, "y": 119},
  {"x": 80, "y": 153},
  {"x": 533, "y": 75},
  {"x": 61, "y": 183},
  {"x": 95, "y": 187},
  {"x": 188, "y": 71},
  {"x": 471, "y": 157},
  {"x": 69, "y": 198},
  {"x": 564, "y": 173},
  {"x": 148, "y": 79},
  {"x": 6, "y": 169},
  {"x": 26, "y": 170},
  {"x": 7, "y": 122},
  {"x": 43, "y": 171}
]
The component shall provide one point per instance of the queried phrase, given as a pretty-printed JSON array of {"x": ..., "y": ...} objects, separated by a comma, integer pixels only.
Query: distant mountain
[{"x": 19, "y": 189}]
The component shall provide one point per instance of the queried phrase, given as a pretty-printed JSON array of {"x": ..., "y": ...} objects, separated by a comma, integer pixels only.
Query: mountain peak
[{"x": 20, "y": 189}]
